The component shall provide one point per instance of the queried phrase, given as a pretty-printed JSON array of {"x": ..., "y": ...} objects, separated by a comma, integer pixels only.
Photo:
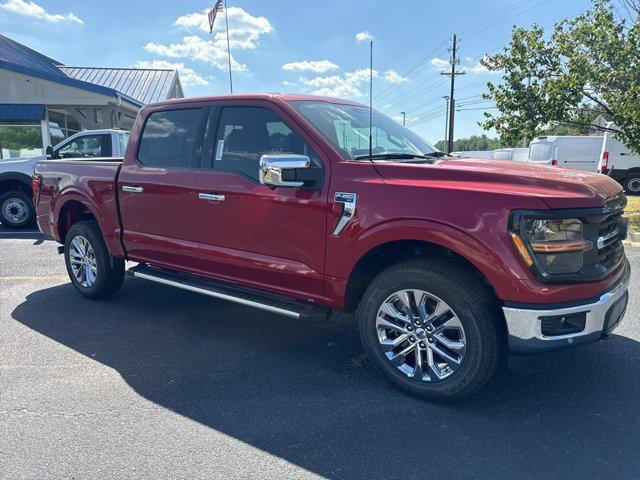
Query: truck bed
[{"x": 75, "y": 186}]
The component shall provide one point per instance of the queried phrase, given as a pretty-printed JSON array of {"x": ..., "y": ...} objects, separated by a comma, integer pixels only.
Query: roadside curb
[{"x": 633, "y": 239}]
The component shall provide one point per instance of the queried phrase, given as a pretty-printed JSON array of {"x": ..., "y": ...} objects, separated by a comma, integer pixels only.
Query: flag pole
[{"x": 226, "y": 20}]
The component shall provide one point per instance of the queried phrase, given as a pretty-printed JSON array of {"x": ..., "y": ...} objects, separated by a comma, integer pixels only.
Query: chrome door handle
[
  {"x": 127, "y": 188},
  {"x": 211, "y": 196}
]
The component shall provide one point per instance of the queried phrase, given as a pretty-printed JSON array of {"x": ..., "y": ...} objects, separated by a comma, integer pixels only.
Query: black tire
[
  {"x": 471, "y": 301},
  {"x": 15, "y": 201},
  {"x": 109, "y": 270},
  {"x": 632, "y": 184}
]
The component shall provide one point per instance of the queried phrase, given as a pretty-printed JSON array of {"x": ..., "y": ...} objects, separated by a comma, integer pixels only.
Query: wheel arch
[
  {"x": 15, "y": 180},
  {"x": 426, "y": 241},
  {"x": 71, "y": 212}
]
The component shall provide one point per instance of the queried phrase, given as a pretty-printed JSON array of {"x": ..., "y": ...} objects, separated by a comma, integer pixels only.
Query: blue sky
[{"x": 294, "y": 45}]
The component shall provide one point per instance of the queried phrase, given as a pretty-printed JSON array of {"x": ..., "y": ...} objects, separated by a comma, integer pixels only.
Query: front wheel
[
  {"x": 431, "y": 328},
  {"x": 91, "y": 268}
]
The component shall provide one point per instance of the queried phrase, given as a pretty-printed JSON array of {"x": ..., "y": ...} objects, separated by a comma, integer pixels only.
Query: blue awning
[{"x": 13, "y": 112}]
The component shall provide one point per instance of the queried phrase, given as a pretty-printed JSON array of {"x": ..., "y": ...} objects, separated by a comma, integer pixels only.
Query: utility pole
[
  {"x": 454, "y": 62},
  {"x": 446, "y": 122},
  {"x": 404, "y": 118}
]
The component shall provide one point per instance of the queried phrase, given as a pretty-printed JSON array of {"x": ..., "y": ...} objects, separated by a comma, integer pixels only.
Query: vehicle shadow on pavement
[{"x": 305, "y": 392}]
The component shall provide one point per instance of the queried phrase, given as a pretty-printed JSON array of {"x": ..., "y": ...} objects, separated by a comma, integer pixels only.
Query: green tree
[
  {"x": 474, "y": 142},
  {"x": 589, "y": 65}
]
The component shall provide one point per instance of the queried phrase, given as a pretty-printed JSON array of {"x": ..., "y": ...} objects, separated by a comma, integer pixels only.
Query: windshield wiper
[{"x": 388, "y": 156}]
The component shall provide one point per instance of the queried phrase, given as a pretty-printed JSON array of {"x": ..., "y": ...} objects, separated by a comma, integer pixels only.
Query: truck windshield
[{"x": 346, "y": 127}]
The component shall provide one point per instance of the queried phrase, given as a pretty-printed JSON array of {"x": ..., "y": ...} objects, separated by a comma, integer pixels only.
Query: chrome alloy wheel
[
  {"x": 83, "y": 261},
  {"x": 15, "y": 210},
  {"x": 421, "y": 335},
  {"x": 634, "y": 185}
]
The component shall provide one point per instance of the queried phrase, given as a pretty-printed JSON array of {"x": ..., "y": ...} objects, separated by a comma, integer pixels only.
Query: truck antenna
[{"x": 370, "y": 100}]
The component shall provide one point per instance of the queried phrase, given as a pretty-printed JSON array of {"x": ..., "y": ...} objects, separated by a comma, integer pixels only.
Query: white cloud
[
  {"x": 195, "y": 48},
  {"x": 440, "y": 62},
  {"x": 245, "y": 31},
  {"x": 316, "y": 66},
  {"x": 345, "y": 86},
  {"x": 363, "y": 36},
  {"x": 392, "y": 76},
  {"x": 32, "y": 9},
  {"x": 188, "y": 76}
]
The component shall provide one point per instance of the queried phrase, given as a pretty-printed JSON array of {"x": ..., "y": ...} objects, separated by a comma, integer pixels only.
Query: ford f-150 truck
[
  {"x": 299, "y": 205},
  {"x": 16, "y": 204}
]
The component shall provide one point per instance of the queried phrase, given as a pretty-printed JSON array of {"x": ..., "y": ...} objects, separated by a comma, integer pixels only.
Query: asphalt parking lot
[{"x": 160, "y": 383}]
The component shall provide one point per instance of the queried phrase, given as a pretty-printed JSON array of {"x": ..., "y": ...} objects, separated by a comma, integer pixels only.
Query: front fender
[
  {"x": 437, "y": 233},
  {"x": 343, "y": 256}
]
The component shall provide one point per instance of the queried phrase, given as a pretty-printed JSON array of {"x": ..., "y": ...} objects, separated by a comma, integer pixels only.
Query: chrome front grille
[{"x": 609, "y": 242}]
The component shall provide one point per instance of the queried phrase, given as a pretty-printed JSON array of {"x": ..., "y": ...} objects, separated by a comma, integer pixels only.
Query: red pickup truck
[{"x": 298, "y": 205}]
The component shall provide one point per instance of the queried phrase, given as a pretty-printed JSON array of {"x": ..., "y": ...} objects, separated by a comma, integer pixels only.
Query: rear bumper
[{"x": 600, "y": 316}]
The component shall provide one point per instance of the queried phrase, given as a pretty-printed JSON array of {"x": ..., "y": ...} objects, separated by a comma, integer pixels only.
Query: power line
[{"x": 453, "y": 74}]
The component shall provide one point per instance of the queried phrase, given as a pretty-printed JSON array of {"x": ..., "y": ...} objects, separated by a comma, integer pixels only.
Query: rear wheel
[
  {"x": 431, "y": 328},
  {"x": 91, "y": 268},
  {"x": 16, "y": 209},
  {"x": 632, "y": 184}
]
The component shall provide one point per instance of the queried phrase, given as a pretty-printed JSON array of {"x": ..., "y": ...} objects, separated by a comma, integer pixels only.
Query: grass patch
[
  {"x": 633, "y": 206},
  {"x": 632, "y": 212}
]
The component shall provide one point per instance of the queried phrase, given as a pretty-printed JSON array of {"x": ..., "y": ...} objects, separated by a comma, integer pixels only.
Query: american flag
[{"x": 212, "y": 14}]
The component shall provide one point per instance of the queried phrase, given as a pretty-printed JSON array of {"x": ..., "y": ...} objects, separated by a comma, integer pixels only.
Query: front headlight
[{"x": 555, "y": 246}]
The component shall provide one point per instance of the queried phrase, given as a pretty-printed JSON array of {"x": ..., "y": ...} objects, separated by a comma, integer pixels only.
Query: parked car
[
  {"x": 620, "y": 163},
  {"x": 473, "y": 154},
  {"x": 274, "y": 202},
  {"x": 511, "y": 154},
  {"x": 16, "y": 199},
  {"x": 579, "y": 152}
]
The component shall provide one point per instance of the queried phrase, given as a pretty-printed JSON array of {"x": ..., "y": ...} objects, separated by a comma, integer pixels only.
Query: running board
[{"x": 226, "y": 291}]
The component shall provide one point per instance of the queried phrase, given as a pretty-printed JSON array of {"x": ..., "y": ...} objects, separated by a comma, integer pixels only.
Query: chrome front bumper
[{"x": 524, "y": 325}]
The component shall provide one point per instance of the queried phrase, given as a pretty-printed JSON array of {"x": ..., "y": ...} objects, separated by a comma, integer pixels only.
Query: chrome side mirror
[{"x": 283, "y": 170}]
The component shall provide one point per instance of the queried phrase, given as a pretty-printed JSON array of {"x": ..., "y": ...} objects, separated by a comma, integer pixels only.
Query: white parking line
[{"x": 21, "y": 232}]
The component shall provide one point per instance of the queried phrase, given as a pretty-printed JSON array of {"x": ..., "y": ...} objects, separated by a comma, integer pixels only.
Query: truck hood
[
  {"x": 20, "y": 164},
  {"x": 556, "y": 186}
]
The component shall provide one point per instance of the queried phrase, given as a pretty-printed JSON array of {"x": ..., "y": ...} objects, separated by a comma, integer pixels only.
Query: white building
[{"x": 43, "y": 101}]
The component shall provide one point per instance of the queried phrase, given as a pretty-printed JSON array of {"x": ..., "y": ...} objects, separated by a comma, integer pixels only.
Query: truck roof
[{"x": 284, "y": 97}]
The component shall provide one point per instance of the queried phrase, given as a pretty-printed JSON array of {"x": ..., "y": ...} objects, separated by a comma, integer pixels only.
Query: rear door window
[
  {"x": 540, "y": 152},
  {"x": 171, "y": 138}
]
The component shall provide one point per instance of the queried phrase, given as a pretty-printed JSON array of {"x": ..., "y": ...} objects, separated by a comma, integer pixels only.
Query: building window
[
  {"x": 64, "y": 123},
  {"x": 20, "y": 139}
]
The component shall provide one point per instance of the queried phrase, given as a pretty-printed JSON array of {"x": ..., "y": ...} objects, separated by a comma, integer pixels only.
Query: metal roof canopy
[
  {"x": 136, "y": 86},
  {"x": 144, "y": 85},
  {"x": 10, "y": 112}
]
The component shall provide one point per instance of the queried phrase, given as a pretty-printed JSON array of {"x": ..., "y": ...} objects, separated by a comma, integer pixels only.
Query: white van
[
  {"x": 579, "y": 152},
  {"x": 473, "y": 154},
  {"x": 512, "y": 154},
  {"x": 619, "y": 162}
]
